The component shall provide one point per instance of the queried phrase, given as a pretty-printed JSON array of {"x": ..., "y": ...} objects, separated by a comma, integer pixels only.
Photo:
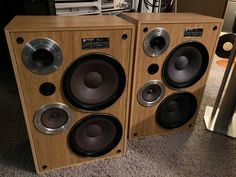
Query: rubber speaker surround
[
  {"x": 176, "y": 110},
  {"x": 94, "y": 82},
  {"x": 95, "y": 135},
  {"x": 185, "y": 65}
]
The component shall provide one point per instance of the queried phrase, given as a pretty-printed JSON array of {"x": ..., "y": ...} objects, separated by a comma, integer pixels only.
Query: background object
[
  {"x": 229, "y": 18},
  {"x": 215, "y": 8},
  {"x": 222, "y": 118}
]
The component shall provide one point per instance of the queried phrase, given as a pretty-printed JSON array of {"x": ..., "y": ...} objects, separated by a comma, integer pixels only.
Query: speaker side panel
[
  {"x": 52, "y": 150},
  {"x": 143, "y": 121}
]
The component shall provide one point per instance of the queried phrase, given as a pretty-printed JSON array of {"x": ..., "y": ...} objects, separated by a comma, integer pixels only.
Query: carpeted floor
[{"x": 197, "y": 154}]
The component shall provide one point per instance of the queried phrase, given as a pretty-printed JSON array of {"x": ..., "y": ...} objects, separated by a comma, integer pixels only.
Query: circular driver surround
[
  {"x": 53, "y": 118},
  {"x": 95, "y": 135},
  {"x": 42, "y": 56},
  {"x": 151, "y": 93},
  {"x": 176, "y": 110},
  {"x": 185, "y": 64},
  {"x": 94, "y": 82},
  {"x": 156, "y": 42}
]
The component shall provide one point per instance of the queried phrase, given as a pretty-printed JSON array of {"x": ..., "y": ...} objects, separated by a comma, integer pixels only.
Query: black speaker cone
[
  {"x": 42, "y": 58},
  {"x": 95, "y": 135},
  {"x": 94, "y": 82},
  {"x": 157, "y": 42},
  {"x": 176, "y": 110},
  {"x": 54, "y": 118},
  {"x": 151, "y": 93},
  {"x": 186, "y": 64}
]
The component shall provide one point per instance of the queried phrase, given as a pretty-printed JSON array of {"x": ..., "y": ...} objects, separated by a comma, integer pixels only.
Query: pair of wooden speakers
[{"x": 88, "y": 83}]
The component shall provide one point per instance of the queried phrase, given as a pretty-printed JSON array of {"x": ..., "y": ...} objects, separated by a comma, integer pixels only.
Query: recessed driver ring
[
  {"x": 156, "y": 42},
  {"x": 151, "y": 93},
  {"x": 53, "y": 118},
  {"x": 42, "y": 56}
]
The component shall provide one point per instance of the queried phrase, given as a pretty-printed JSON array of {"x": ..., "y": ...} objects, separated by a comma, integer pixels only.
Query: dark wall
[
  {"x": 215, "y": 8},
  {"x": 11, "y": 8},
  {"x": 8, "y": 9}
]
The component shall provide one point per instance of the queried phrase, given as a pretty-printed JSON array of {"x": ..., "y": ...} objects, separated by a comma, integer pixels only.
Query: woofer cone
[
  {"x": 176, "y": 110},
  {"x": 156, "y": 42},
  {"x": 186, "y": 64},
  {"x": 42, "y": 56},
  {"x": 151, "y": 93},
  {"x": 53, "y": 118},
  {"x": 95, "y": 135},
  {"x": 94, "y": 82}
]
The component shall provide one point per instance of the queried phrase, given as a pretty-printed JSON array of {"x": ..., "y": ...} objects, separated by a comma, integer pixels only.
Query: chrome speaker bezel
[
  {"x": 42, "y": 43},
  {"x": 38, "y": 123},
  {"x": 156, "y": 33},
  {"x": 148, "y": 103}
]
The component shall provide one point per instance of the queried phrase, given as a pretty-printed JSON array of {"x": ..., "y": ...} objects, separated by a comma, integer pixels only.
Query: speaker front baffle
[
  {"x": 173, "y": 55},
  {"x": 73, "y": 76}
]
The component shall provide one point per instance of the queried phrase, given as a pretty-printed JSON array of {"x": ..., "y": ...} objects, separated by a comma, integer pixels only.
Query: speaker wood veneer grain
[
  {"x": 142, "y": 119},
  {"x": 53, "y": 150}
]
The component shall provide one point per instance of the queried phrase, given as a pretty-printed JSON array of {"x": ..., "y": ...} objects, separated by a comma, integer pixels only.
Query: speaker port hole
[
  {"x": 135, "y": 134},
  {"x": 145, "y": 29},
  {"x": 19, "y": 40},
  {"x": 124, "y": 36},
  {"x": 44, "y": 167},
  {"x": 214, "y": 28},
  {"x": 118, "y": 151},
  {"x": 47, "y": 89},
  {"x": 153, "y": 68}
]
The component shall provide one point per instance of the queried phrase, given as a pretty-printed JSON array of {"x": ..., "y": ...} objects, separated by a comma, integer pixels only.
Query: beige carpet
[{"x": 197, "y": 154}]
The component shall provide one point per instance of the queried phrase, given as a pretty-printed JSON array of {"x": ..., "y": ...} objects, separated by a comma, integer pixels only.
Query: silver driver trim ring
[
  {"x": 148, "y": 103},
  {"x": 155, "y": 33},
  {"x": 42, "y": 43},
  {"x": 38, "y": 123}
]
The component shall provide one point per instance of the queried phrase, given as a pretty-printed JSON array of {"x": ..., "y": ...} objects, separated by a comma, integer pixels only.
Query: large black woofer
[
  {"x": 176, "y": 110},
  {"x": 185, "y": 65},
  {"x": 94, "y": 82},
  {"x": 42, "y": 56},
  {"x": 95, "y": 135}
]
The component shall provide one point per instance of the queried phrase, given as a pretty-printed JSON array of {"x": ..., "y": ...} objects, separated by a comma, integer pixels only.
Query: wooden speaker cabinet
[
  {"x": 73, "y": 76},
  {"x": 173, "y": 55}
]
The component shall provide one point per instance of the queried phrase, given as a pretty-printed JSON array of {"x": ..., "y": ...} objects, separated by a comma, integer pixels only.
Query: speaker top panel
[
  {"x": 57, "y": 23},
  {"x": 168, "y": 18}
]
